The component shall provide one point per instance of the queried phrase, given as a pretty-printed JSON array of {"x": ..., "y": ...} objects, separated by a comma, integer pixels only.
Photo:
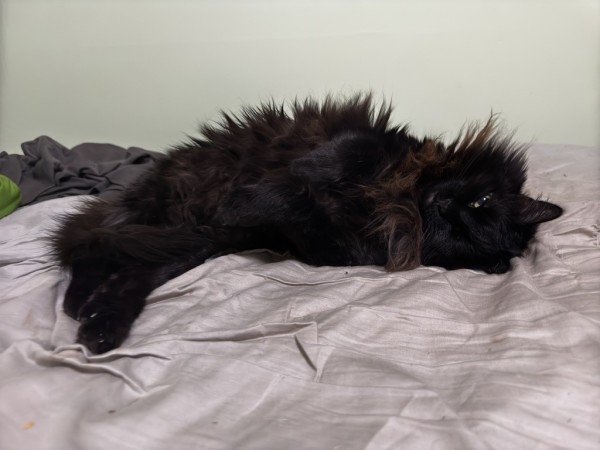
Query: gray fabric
[
  {"x": 48, "y": 170},
  {"x": 251, "y": 351}
]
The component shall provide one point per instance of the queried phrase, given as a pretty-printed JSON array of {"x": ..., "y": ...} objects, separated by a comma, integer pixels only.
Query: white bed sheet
[{"x": 251, "y": 351}]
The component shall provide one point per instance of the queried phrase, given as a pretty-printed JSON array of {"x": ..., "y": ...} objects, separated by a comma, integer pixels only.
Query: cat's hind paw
[{"x": 102, "y": 331}]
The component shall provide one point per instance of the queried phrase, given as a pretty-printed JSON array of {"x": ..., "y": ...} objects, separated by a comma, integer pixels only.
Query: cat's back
[
  {"x": 256, "y": 144},
  {"x": 267, "y": 137}
]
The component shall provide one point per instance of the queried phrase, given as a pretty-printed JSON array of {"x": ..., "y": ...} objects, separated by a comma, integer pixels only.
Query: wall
[{"x": 144, "y": 73}]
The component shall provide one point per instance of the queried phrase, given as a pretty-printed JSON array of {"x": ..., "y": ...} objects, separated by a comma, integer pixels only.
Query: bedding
[
  {"x": 47, "y": 169},
  {"x": 256, "y": 351}
]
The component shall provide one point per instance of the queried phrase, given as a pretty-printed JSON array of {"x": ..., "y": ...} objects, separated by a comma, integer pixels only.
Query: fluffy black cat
[{"x": 331, "y": 183}]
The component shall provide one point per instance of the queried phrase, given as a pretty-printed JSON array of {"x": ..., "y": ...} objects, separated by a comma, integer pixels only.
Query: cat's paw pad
[{"x": 101, "y": 331}]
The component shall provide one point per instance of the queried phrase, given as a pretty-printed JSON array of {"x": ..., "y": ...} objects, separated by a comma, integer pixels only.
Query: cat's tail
[{"x": 98, "y": 233}]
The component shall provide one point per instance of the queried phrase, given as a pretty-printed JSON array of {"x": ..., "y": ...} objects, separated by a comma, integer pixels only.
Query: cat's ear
[{"x": 537, "y": 211}]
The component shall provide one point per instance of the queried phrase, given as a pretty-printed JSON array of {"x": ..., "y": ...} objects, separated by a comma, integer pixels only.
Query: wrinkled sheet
[{"x": 252, "y": 351}]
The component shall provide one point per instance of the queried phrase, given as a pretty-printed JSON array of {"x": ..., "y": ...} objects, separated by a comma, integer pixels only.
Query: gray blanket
[{"x": 47, "y": 169}]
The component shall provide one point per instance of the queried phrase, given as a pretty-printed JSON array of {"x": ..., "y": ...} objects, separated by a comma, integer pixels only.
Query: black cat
[{"x": 331, "y": 183}]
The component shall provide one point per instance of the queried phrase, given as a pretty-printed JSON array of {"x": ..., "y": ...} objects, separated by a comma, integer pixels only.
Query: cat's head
[{"x": 473, "y": 210}]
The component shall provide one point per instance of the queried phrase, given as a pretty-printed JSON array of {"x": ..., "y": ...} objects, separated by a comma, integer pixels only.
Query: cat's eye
[{"x": 481, "y": 201}]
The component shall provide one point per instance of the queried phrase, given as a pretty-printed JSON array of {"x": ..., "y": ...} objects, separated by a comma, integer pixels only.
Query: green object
[{"x": 10, "y": 196}]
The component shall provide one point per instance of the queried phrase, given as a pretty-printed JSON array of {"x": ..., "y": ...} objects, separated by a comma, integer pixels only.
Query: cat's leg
[
  {"x": 86, "y": 276},
  {"x": 109, "y": 312}
]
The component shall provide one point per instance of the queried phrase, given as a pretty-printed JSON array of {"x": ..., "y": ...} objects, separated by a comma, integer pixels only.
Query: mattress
[{"x": 256, "y": 351}]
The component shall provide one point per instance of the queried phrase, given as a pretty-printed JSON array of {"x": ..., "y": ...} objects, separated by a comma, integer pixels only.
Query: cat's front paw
[{"x": 101, "y": 330}]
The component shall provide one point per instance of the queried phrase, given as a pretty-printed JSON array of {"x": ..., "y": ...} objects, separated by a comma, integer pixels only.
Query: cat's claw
[
  {"x": 102, "y": 333},
  {"x": 101, "y": 330}
]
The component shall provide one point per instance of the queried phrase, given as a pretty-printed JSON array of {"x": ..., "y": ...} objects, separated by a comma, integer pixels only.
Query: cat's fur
[{"x": 332, "y": 183}]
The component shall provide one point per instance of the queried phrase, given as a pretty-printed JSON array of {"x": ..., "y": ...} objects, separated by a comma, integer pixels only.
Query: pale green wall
[{"x": 144, "y": 72}]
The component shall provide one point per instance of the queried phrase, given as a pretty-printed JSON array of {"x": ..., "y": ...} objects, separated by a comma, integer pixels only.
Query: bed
[{"x": 256, "y": 351}]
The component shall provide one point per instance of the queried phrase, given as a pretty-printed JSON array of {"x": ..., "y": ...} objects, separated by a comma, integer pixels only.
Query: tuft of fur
[{"x": 331, "y": 183}]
